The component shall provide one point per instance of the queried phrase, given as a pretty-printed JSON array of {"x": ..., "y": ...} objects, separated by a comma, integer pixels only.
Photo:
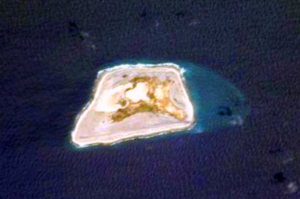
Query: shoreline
[{"x": 114, "y": 138}]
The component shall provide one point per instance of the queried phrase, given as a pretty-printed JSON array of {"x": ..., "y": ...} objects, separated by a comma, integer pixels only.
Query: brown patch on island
[{"x": 159, "y": 100}]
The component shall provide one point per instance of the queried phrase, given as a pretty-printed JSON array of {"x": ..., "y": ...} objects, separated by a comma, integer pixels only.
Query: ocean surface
[{"x": 50, "y": 54}]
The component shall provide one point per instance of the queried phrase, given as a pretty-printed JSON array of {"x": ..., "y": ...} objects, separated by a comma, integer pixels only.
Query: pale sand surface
[{"x": 103, "y": 121}]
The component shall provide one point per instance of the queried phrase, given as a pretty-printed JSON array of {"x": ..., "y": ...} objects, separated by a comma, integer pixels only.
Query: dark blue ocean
[{"x": 51, "y": 51}]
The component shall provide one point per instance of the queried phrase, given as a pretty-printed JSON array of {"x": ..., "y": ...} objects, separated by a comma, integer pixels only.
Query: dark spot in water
[
  {"x": 224, "y": 111},
  {"x": 75, "y": 31},
  {"x": 143, "y": 14},
  {"x": 180, "y": 14},
  {"x": 279, "y": 177},
  {"x": 275, "y": 150}
]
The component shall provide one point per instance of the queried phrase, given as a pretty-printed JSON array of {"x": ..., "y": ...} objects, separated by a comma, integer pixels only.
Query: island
[{"x": 135, "y": 101}]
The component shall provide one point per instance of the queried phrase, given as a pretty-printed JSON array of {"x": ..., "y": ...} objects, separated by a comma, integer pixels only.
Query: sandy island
[{"x": 133, "y": 101}]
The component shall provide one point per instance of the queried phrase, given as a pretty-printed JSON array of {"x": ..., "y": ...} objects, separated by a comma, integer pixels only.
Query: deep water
[{"x": 51, "y": 52}]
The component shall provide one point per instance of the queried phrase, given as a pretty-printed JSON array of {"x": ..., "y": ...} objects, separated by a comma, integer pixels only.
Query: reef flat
[{"x": 133, "y": 101}]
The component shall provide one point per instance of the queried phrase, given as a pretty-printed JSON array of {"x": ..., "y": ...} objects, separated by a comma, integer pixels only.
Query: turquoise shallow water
[{"x": 218, "y": 103}]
